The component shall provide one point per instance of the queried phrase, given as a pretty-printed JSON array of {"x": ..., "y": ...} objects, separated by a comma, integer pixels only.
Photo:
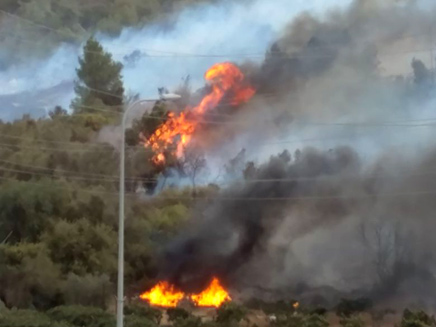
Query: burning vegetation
[
  {"x": 226, "y": 80},
  {"x": 166, "y": 295}
]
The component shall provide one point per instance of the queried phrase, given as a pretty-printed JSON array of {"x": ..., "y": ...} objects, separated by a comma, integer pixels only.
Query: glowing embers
[{"x": 165, "y": 295}]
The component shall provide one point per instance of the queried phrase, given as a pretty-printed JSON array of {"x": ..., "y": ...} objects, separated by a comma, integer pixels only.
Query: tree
[
  {"x": 58, "y": 111},
  {"x": 99, "y": 80},
  {"x": 82, "y": 248},
  {"x": 192, "y": 164},
  {"x": 421, "y": 73},
  {"x": 143, "y": 128}
]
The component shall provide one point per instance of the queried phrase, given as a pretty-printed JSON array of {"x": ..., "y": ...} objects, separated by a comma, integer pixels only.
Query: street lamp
[{"x": 120, "y": 290}]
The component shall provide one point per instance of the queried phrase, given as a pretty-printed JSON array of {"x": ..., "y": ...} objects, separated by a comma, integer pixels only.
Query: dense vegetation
[
  {"x": 73, "y": 21},
  {"x": 59, "y": 201}
]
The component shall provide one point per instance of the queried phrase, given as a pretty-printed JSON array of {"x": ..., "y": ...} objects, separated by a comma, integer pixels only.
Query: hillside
[{"x": 40, "y": 25}]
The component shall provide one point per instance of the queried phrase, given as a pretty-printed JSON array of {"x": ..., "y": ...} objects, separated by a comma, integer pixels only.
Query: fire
[
  {"x": 226, "y": 80},
  {"x": 213, "y": 296},
  {"x": 164, "y": 295}
]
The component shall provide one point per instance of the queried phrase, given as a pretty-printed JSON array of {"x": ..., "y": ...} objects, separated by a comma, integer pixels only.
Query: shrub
[
  {"x": 82, "y": 316},
  {"x": 351, "y": 321},
  {"x": 177, "y": 313},
  {"x": 230, "y": 313},
  {"x": 315, "y": 320},
  {"x": 417, "y": 319},
  {"x": 346, "y": 308},
  {"x": 27, "y": 318},
  {"x": 138, "y": 321},
  {"x": 143, "y": 310},
  {"x": 87, "y": 290}
]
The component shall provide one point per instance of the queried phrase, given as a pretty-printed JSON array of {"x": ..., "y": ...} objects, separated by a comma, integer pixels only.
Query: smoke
[
  {"x": 316, "y": 218},
  {"x": 230, "y": 30},
  {"x": 352, "y": 212},
  {"x": 326, "y": 81}
]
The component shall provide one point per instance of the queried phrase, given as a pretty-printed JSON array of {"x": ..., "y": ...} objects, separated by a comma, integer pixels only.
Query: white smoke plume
[{"x": 230, "y": 30}]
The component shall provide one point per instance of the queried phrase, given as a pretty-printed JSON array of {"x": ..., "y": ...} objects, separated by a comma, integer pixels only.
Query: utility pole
[
  {"x": 432, "y": 68},
  {"x": 120, "y": 282}
]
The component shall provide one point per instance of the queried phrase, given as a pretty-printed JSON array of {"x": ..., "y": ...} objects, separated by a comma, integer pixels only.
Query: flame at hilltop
[
  {"x": 226, "y": 80},
  {"x": 164, "y": 294}
]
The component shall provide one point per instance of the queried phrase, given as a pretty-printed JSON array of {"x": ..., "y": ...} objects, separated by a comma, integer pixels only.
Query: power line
[
  {"x": 98, "y": 177},
  {"x": 94, "y": 176},
  {"x": 176, "y": 54},
  {"x": 255, "y": 199}
]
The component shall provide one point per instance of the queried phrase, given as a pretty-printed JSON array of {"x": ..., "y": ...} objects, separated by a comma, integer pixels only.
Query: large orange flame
[
  {"x": 166, "y": 295},
  {"x": 176, "y": 133},
  {"x": 213, "y": 296}
]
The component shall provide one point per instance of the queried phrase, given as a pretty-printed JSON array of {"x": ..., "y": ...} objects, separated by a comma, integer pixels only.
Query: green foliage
[
  {"x": 143, "y": 310},
  {"x": 89, "y": 290},
  {"x": 99, "y": 81},
  {"x": 82, "y": 248},
  {"x": 82, "y": 316},
  {"x": 25, "y": 208},
  {"x": 27, "y": 318},
  {"x": 29, "y": 277},
  {"x": 351, "y": 321},
  {"x": 138, "y": 321},
  {"x": 347, "y": 307},
  {"x": 417, "y": 319},
  {"x": 177, "y": 313},
  {"x": 59, "y": 197},
  {"x": 230, "y": 313}
]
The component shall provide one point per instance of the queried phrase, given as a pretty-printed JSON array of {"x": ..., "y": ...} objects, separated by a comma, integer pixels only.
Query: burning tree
[{"x": 226, "y": 81}]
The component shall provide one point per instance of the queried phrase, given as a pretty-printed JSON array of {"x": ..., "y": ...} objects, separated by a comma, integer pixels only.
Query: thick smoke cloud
[
  {"x": 328, "y": 81},
  {"x": 352, "y": 213},
  {"x": 316, "y": 219}
]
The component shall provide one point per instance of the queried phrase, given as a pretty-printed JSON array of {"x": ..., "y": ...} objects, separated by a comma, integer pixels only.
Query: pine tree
[{"x": 99, "y": 80}]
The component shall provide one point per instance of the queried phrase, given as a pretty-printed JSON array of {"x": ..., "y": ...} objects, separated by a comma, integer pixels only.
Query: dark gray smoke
[
  {"x": 297, "y": 219},
  {"x": 354, "y": 214}
]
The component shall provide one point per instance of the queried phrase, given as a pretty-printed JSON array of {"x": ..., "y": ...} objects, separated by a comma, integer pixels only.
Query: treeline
[{"x": 280, "y": 314}]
